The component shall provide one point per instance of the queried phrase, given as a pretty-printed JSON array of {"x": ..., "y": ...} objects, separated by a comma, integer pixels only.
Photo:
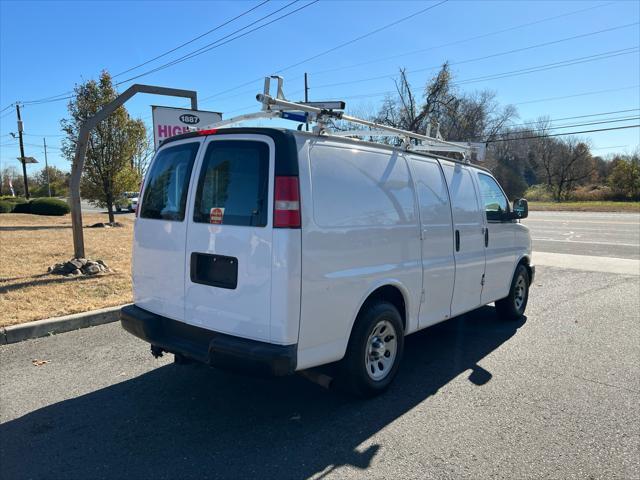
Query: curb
[{"x": 51, "y": 326}]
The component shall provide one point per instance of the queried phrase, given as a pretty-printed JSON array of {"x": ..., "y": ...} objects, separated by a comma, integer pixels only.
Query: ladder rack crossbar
[{"x": 280, "y": 107}]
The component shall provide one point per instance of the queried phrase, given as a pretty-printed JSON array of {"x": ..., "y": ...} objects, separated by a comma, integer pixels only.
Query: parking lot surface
[{"x": 555, "y": 395}]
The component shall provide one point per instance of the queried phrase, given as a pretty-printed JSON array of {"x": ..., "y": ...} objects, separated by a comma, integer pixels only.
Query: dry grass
[
  {"x": 587, "y": 206},
  {"x": 31, "y": 243}
]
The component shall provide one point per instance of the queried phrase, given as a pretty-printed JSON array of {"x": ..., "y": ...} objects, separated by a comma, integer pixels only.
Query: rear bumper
[{"x": 207, "y": 346}]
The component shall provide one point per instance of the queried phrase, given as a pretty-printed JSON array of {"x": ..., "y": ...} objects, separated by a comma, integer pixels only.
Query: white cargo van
[{"x": 283, "y": 250}]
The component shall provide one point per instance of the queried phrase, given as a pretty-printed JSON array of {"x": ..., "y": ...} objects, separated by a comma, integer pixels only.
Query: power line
[
  {"x": 361, "y": 37},
  {"x": 559, "y": 127},
  {"x": 68, "y": 94},
  {"x": 577, "y": 116},
  {"x": 485, "y": 57},
  {"x": 40, "y": 146},
  {"x": 593, "y": 92},
  {"x": 495, "y": 76},
  {"x": 43, "y": 135},
  {"x": 332, "y": 49},
  {"x": 6, "y": 114},
  {"x": 574, "y": 12},
  {"x": 610, "y": 147},
  {"x": 562, "y": 134},
  {"x": 465, "y": 40},
  {"x": 513, "y": 73},
  {"x": 551, "y": 66},
  {"x": 216, "y": 43},
  {"x": 227, "y": 22}
]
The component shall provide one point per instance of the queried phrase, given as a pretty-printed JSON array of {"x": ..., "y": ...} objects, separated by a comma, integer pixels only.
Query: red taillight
[
  {"x": 211, "y": 131},
  {"x": 286, "y": 211}
]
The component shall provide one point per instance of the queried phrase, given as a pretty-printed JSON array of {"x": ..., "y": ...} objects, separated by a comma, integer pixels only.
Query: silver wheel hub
[
  {"x": 520, "y": 292},
  {"x": 381, "y": 350}
]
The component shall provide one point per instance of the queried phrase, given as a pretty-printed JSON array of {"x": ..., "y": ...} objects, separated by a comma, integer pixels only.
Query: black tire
[
  {"x": 354, "y": 375},
  {"x": 513, "y": 306},
  {"x": 118, "y": 209}
]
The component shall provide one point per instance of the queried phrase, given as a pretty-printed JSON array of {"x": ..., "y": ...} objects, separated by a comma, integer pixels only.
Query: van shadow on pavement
[{"x": 197, "y": 422}]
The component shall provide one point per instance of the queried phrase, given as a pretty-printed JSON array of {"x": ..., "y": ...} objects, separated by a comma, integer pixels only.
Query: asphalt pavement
[
  {"x": 554, "y": 395},
  {"x": 586, "y": 233},
  {"x": 88, "y": 207}
]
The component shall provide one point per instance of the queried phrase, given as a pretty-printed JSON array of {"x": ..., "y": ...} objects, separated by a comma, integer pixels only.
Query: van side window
[
  {"x": 495, "y": 203},
  {"x": 233, "y": 184},
  {"x": 165, "y": 195}
]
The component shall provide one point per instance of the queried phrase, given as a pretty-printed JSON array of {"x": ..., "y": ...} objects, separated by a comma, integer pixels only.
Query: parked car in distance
[
  {"x": 127, "y": 201},
  {"x": 279, "y": 250}
]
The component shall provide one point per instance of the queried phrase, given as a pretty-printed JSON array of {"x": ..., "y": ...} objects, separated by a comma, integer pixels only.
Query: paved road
[
  {"x": 597, "y": 234},
  {"x": 556, "y": 395},
  {"x": 87, "y": 207}
]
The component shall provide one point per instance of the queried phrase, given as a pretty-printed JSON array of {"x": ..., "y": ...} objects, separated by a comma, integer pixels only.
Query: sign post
[{"x": 83, "y": 142}]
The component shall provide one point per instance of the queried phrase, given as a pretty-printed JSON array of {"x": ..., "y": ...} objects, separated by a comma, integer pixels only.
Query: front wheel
[
  {"x": 513, "y": 306},
  {"x": 375, "y": 350}
]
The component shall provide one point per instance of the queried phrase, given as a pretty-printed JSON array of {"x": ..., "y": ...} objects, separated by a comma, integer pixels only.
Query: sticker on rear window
[{"x": 215, "y": 215}]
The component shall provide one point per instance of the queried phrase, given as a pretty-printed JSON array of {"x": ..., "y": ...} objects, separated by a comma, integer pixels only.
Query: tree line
[
  {"x": 527, "y": 161},
  {"x": 524, "y": 158}
]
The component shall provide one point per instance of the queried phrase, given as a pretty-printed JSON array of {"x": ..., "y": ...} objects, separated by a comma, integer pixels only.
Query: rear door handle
[
  {"x": 486, "y": 237},
  {"x": 457, "y": 240}
]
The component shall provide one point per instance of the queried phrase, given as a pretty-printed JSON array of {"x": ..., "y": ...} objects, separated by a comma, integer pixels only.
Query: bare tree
[{"x": 574, "y": 165}]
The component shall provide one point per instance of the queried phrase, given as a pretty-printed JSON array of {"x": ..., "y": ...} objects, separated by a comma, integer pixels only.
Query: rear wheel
[
  {"x": 118, "y": 208},
  {"x": 374, "y": 352},
  {"x": 513, "y": 306}
]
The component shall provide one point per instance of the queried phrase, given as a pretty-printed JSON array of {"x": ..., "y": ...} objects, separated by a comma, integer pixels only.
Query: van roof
[{"x": 285, "y": 139}]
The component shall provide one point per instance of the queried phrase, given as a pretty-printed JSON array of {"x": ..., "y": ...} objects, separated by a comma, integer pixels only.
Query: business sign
[{"x": 169, "y": 121}]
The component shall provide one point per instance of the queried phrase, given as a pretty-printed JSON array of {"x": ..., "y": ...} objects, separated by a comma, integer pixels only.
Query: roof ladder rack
[{"x": 323, "y": 113}]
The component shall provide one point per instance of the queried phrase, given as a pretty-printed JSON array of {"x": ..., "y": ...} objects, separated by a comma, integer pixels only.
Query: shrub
[
  {"x": 5, "y": 207},
  {"x": 49, "y": 206},
  {"x": 538, "y": 193},
  {"x": 10, "y": 199},
  {"x": 22, "y": 207},
  {"x": 589, "y": 193}
]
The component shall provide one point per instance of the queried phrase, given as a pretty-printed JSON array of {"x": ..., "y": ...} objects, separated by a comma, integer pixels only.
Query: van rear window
[
  {"x": 233, "y": 184},
  {"x": 165, "y": 195}
]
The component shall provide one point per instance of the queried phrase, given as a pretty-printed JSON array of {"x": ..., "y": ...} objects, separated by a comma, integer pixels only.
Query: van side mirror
[{"x": 521, "y": 208}]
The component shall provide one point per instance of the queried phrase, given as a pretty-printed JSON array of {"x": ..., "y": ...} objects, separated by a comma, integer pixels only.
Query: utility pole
[
  {"x": 46, "y": 166},
  {"x": 306, "y": 95},
  {"x": 22, "y": 158}
]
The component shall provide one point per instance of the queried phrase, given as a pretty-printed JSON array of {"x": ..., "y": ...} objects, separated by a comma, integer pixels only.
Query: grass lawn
[
  {"x": 31, "y": 243},
  {"x": 586, "y": 206}
]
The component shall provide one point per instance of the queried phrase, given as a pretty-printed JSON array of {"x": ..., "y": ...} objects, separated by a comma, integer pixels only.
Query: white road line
[
  {"x": 586, "y": 243},
  {"x": 623, "y": 266},
  {"x": 549, "y": 220}
]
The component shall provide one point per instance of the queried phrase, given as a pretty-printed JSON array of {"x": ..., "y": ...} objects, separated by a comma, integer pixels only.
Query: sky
[{"x": 561, "y": 59}]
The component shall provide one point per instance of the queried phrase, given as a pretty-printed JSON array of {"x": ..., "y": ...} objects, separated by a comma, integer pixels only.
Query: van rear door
[
  {"x": 160, "y": 232},
  {"x": 230, "y": 237}
]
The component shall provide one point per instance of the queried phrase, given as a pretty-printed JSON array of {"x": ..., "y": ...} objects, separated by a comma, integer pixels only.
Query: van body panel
[
  {"x": 242, "y": 311},
  {"x": 500, "y": 246},
  {"x": 468, "y": 220},
  {"x": 286, "y": 280},
  {"x": 360, "y": 228},
  {"x": 158, "y": 271},
  {"x": 438, "y": 266}
]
